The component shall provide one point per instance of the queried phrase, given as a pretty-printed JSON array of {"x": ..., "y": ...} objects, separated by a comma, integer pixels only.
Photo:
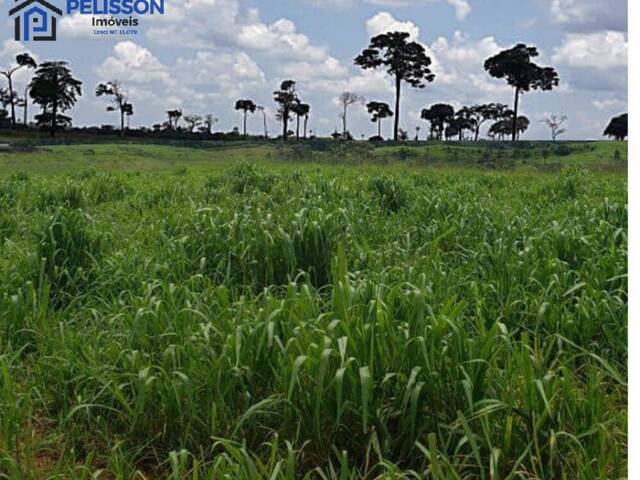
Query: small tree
[
  {"x": 405, "y": 61},
  {"x": 379, "y": 111},
  {"x": 286, "y": 98},
  {"x": 522, "y": 74},
  {"x": 55, "y": 90},
  {"x": 438, "y": 116},
  {"x": 208, "y": 123},
  {"x": 618, "y": 127},
  {"x": 246, "y": 106},
  {"x": 193, "y": 122},
  {"x": 23, "y": 60},
  {"x": 347, "y": 99},
  {"x": 128, "y": 111},
  {"x": 114, "y": 89},
  {"x": 300, "y": 110},
  {"x": 555, "y": 124},
  {"x": 174, "y": 118}
]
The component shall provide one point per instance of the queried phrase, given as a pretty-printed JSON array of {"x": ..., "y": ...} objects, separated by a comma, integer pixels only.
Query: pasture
[{"x": 437, "y": 312}]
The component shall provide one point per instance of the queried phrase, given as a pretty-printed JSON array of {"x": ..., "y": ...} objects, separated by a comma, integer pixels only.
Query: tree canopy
[
  {"x": 515, "y": 65},
  {"x": 618, "y": 127},
  {"x": 404, "y": 60}
]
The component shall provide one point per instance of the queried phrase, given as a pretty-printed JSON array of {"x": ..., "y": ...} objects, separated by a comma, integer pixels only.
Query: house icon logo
[{"x": 35, "y": 20}]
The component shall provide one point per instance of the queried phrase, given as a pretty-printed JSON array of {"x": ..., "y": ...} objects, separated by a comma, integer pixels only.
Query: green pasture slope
[{"x": 212, "y": 313}]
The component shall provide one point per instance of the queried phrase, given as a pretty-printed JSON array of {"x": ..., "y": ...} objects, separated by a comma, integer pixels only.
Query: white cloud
[
  {"x": 384, "y": 22},
  {"x": 609, "y": 104},
  {"x": 601, "y": 50},
  {"x": 134, "y": 63},
  {"x": 462, "y": 8},
  {"x": 590, "y": 15}
]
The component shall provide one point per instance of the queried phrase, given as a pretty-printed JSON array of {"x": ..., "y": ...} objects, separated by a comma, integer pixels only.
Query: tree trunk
[
  {"x": 297, "y": 127},
  {"x": 396, "y": 125},
  {"x": 54, "y": 114},
  {"x": 478, "y": 131},
  {"x": 11, "y": 101},
  {"x": 245, "y": 124},
  {"x": 306, "y": 120},
  {"x": 26, "y": 106},
  {"x": 121, "y": 122},
  {"x": 344, "y": 123},
  {"x": 264, "y": 117},
  {"x": 285, "y": 123},
  {"x": 515, "y": 114},
  {"x": 379, "y": 127}
]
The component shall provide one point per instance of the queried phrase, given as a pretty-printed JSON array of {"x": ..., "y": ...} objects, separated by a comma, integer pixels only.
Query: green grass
[{"x": 178, "y": 313}]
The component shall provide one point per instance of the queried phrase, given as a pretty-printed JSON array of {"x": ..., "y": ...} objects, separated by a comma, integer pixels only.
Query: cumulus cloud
[
  {"x": 601, "y": 50},
  {"x": 462, "y": 8},
  {"x": 590, "y": 15},
  {"x": 133, "y": 63}
]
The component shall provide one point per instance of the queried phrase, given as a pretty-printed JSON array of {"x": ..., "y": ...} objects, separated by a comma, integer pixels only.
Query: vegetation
[
  {"x": 618, "y": 128},
  {"x": 205, "y": 321}
]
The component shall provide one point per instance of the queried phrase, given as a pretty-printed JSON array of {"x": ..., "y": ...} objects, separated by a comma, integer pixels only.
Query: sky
[{"x": 203, "y": 55}]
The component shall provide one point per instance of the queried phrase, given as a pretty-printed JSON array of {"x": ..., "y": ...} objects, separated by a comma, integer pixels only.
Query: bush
[
  {"x": 68, "y": 252},
  {"x": 390, "y": 193}
]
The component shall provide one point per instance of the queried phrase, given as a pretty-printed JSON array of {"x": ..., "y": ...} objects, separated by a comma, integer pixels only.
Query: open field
[{"x": 440, "y": 312}]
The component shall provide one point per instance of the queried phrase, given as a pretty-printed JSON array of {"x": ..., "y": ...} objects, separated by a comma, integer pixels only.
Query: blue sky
[{"x": 202, "y": 55}]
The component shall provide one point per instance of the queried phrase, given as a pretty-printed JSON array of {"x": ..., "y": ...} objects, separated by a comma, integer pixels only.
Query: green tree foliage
[
  {"x": 516, "y": 66},
  {"x": 54, "y": 88},
  {"x": 403, "y": 60}
]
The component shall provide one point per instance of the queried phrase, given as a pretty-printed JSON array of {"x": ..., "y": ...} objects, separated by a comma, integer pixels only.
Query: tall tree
[
  {"x": 56, "y": 91},
  {"x": 23, "y": 60},
  {"x": 286, "y": 98},
  {"x": 438, "y": 115},
  {"x": 517, "y": 67},
  {"x": 347, "y": 99},
  {"x": 300, "y": 110},
  {"x": 465, "y": 119},
  {"x": 405, "y": 61},
  {"x": 618, "y": 127},
  {"x": 379, "y": 111},
  {"x": 556, "y": 125},
  {"x": 114, "y": 89},
  {"x": 246, "y": 106}
]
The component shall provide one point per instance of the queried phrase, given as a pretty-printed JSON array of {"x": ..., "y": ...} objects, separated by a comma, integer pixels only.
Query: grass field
[{"x": 194, "y": 313}]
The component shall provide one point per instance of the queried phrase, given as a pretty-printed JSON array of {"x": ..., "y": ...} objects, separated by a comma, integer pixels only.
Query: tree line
[{"x": 54, "y": 89}]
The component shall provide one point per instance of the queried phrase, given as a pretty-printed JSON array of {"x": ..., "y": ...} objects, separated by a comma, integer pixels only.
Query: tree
[
  {"x": 379, "y": 111},
  {"x": 522, "y": 74},
  {"x": 465, "y": 119},
  {"x": 503, "y": 128},
  {"x": 246, "y": 106},
  {"x": 404, "y": 61},
  {"x": 618, "y": 127},
  {"x": 114, "y": 89},
  {"x": 555, "y": 124},
  {"x": 128, "y": 111},
  {"x": 286, "y": 98},
  {"x": 193, "y": 122},
  {"x": 56, "y": 91},
  {"x": 23, "y": 60},
  {"x": 438, "y": 116},
  {"x": 209, "y": 121},
  {"x": 347, "y": 99},
  {"x": 300, "y": 109},
  {"x": 174, "y": 118},
  {"x": 263, "y": 110},
  {"x": 479, "y": 114}
]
